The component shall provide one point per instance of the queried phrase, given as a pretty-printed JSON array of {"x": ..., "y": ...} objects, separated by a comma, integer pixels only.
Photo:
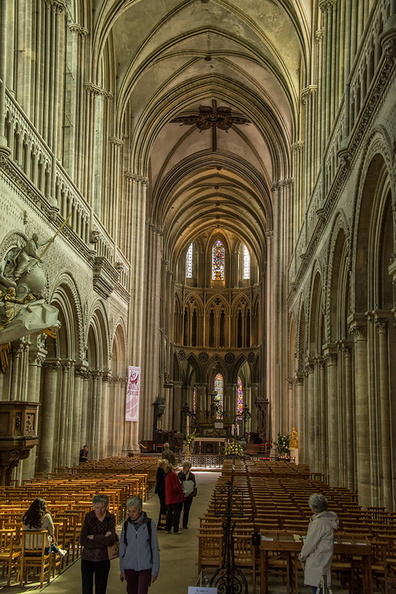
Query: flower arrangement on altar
[
  {"x": 234, "y": 448},
  {"x": 189, "y": 440},
  {"x": 282, "y": 445}
]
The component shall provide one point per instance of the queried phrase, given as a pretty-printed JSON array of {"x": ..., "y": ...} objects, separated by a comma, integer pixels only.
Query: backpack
[{"x": 149, "y": 528}]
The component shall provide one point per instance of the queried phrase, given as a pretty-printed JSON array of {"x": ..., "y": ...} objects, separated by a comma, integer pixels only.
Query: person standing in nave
[
  {"x": 168, "y": 454},
  {"x": 174, "y": 498},
  {"x": 160, "y": 491},
  {"x": 189, "y": 484},
  {"x": 317, "y": 552},
  {"x": 97, "y": 533},
  {"x": 139, "y": 549}
]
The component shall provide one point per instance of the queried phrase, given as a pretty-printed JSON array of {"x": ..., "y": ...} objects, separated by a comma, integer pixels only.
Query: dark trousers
[
  {"x": 99, "y": 569},
  {"x": 173, "y": 516},
  {"x": 138, "y": 581},
  {"x": 315, "y": 590},
  {"x": 163, "y": 510},
  {"x": 186, "y": 511}
]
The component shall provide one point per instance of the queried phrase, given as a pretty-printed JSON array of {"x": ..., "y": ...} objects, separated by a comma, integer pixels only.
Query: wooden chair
[
  {"x": 34, "y": 543},
  {"x": 9, "y": 555},
  {"x": 210, "y": 550},
  {"x": 245, "y": 554}
]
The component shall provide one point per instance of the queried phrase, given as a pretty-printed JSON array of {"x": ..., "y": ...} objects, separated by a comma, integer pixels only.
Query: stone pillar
[
  {"x": 80, "y": 373},
  {"x": 62, "y": 445},
  {"x": 254, "y": 391},
  {"x": 332, "y": 414},
  {"x": 230, "y": 399},
  {"x": 301, "y": 413},
  {"x": 106, "y": 414},
  {"x": 358, "y": 327},
  {"x": 322, "y": 449},
  {"x": 349, "y": 418},
  {"x": 384, "y": 434},
  {"x": 177, "y": 406},
  {"x": 37, "y": 353},
  {"x": 93, "y": 429},
  {"x": 18, "y": 377},
  {"x": 310, "y": 417},
  {"x": 51, "y": 368}
]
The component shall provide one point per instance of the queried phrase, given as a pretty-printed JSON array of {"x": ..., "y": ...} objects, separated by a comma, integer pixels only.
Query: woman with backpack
[{"x": 139, "y": 550}]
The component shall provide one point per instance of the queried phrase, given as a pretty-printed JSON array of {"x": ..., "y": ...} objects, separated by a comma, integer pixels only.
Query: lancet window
[
  {"x": 189, "y": 261},
  {"x": 239, "y": 397},
  {"x": 246, "y": 263},
  {"x": 219, "y": 398},
  {"x": 218, "y": 260}
]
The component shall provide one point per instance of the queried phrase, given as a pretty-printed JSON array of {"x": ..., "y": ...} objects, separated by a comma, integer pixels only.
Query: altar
[{"x": 209, "y": 445}]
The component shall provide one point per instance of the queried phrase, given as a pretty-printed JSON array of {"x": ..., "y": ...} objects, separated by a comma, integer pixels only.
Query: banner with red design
[{"x": 132, "y": 394}]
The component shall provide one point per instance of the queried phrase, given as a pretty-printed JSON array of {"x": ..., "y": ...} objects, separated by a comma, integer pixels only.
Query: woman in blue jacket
[{"x": 139, "y": 551}]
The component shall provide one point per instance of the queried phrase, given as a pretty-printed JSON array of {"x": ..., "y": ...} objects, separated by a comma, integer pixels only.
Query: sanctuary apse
[{"x": 215, "y": 182}]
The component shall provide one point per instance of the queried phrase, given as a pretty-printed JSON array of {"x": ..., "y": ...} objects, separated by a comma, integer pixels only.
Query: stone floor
[{"x": 179, "y": 556}]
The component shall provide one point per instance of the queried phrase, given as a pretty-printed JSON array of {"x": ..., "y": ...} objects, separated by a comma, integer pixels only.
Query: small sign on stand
[{"x": 201, "y": 590}]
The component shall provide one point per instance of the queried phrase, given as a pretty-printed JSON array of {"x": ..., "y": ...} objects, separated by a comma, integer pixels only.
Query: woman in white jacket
[
  {"x": 317, "y": 552},
  {"x": 139, "y": 551}
]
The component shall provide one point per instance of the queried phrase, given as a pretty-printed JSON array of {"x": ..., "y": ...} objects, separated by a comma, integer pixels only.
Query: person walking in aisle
[
  {"x": 139, "y": 550},
  {"x": 97, "y": 533}
]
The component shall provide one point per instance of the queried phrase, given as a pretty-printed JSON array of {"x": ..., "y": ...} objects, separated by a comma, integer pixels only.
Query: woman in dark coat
[
  {"x": 174, "y": 498},
  {"x": 97, "y": 533},
  {"x": 160, "y": 491}
]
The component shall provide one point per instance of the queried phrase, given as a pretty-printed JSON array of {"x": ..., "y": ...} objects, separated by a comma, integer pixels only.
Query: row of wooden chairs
[
  {"x": 275, "y": 499},
  {"x": 69, "y": 497}
]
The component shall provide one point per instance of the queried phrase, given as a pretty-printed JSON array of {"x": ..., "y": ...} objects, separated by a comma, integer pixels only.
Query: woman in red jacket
[{"x": 174, "y": 498}]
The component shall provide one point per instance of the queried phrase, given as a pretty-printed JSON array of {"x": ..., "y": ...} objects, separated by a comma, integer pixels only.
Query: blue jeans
[{"x": 315, "y": 590}]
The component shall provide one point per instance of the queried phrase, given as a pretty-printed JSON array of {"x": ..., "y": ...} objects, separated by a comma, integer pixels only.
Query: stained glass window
[
  {"x": 219, "y": 398},
  {"x": 239, "y": 397},
  {"x": 189, "y": 261},
  {"x": 218, "y": 260},
  {"x": 246, "y": 263},
  {"x": 194, "y": 399}
]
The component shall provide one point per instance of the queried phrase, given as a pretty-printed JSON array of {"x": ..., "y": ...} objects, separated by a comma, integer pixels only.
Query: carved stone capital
[
  {"x": 75, "y": 28},
  {"x": 307, "y": 93},
  {"x": 326, "y": 4}
]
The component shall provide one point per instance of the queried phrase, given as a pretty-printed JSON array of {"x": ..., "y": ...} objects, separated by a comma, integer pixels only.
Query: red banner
[{"x": 132, "y": 394}]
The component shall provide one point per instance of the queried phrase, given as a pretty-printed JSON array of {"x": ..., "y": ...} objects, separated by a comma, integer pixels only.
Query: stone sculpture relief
[{"x": 23, "y": 309}]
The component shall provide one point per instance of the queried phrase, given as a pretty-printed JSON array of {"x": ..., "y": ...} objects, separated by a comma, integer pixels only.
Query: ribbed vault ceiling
[{"x": 171, "y": 57}]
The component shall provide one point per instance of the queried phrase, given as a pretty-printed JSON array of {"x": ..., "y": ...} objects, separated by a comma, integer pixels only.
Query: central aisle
[{"x": 178, "y": 552}]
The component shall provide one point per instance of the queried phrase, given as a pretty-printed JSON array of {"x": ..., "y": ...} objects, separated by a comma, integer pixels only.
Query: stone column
[
  {"x": 18, "y": 374},
  {"x": 93, "y": 427},
  {"x": 80, "y": 373},
  {"x": 385, "y": 484},
  {"x": 254, "y": 391},
  {"x": 349, "y": 418},
  {"x": 61, "y": 444},
  {"x": 177, "y": 406},
  {"x": 358, "y": 327},
  {"x": 301, "y": 412},
  {"x": 51, "y": 368},
  {"x": 322, "y": 450},
  {"x": 332, "y": 414},
  {"x": 37, "y": 353},
  {"x": 106, "y": 414},
  {"x": 230, "y": 399},
  {"x": 310, "y": 417}
]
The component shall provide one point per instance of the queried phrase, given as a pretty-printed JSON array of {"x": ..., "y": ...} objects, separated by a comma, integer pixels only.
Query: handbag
[{"x": 113, "y": 550}]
